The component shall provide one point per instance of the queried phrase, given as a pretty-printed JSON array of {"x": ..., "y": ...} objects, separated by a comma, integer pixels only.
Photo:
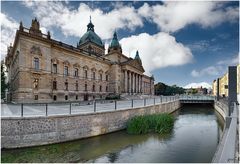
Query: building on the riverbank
[
  {"x": 223, "y": 84},
  {"x": 41, "y": 69}
]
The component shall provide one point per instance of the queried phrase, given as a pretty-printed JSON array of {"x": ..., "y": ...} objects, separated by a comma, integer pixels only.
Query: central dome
[{"x": 91, "y": 36}]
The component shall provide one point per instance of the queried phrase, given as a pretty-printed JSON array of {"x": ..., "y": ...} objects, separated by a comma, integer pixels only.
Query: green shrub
[{"x": 159, "y": 123}]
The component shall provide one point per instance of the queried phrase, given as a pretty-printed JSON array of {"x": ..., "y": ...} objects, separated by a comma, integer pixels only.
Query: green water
[{"x": 196, "y": 133}]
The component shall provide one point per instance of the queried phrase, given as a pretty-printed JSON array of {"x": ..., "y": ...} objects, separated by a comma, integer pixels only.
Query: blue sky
[{"x": 179, "y": 42}]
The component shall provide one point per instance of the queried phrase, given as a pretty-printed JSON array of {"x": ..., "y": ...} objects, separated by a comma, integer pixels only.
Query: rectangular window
[
  {"x": 35, "y": 97},
  {"x": 76, "y": 72},
  {"x": 100, "y": 77},
  {"x": 36, "y": 63},
  {"x": 54, "y": 85},
  {"x": 66, "y": 86},
  {"x": 76, "y": 86},
  {"x": 54, "y": 68},
  {"x": 85, "y": 74},
  {"x": 106, "y": 77},
  {"x": 100, "y": 88},
  {"x": 85, "y": 87},
  {"x": 93, "y": 88},
  {"x": 65, "y": 71},
  {"x": 106, "y": 88},
  {"x": 93, "y": 75}
]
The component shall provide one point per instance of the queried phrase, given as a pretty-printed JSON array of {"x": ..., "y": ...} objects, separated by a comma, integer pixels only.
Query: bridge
[{"x": 186, "y": 99}]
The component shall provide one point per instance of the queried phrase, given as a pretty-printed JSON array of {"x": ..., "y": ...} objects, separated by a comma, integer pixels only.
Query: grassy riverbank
[{"x": 159, "y": 123}]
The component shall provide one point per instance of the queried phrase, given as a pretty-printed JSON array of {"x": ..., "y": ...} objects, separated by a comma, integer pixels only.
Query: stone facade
[{"x": 41, "y": 69}]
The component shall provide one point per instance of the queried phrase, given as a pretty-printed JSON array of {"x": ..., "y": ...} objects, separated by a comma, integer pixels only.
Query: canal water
[{"x": 197, "y": 131}]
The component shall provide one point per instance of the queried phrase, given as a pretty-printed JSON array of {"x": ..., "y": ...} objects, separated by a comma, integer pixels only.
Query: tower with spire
[
  {"x": 90, "y": 42},
  {"x": 115, "y": 45}
]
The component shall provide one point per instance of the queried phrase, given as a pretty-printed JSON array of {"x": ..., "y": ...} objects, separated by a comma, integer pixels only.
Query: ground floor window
[
  {"x": 66, "y": 97},
  {"x": 76, "y": 97},
  {"x": 35, "y": 97},
  {"x": 85, "y": 97},
  {"x": 54, "y": 97}
]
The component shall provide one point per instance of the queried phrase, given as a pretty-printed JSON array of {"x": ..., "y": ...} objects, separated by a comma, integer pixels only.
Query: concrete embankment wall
[
  {"x": 219, "y": 109},
  {"x": 32, "y": 131}
]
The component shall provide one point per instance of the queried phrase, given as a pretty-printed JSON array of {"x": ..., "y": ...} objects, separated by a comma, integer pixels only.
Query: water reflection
[{"x": 194, "y": 139}]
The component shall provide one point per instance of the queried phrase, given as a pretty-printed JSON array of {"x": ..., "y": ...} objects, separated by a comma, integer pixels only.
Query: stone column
[
  {"x": 126, "y": 81},
  {"x": 129, "y": 84},
  {"x": 139, "y": 83},
  {"x": 133, "y": 86}
]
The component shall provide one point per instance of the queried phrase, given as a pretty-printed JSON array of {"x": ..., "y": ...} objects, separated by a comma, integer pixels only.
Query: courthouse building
[{"x": 41, "y": 69}]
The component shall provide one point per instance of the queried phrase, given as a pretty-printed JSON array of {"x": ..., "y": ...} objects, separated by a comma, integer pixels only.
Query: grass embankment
[{"x": 159, "y": 123}]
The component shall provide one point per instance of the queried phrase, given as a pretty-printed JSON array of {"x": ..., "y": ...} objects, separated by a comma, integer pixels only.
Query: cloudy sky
[{"x": 179, "y": 42}]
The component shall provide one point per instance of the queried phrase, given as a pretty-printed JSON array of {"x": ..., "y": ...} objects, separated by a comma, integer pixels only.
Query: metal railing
[
  {"x": 197, "y": 97},
  {"x": 51, "y": 109},
  {"x": 228, "y": 146}
]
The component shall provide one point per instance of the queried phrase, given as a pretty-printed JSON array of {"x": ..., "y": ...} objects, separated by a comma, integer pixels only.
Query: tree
[
  {"x": 163, "y": 89},
  {"x": 3, "y": 81}
]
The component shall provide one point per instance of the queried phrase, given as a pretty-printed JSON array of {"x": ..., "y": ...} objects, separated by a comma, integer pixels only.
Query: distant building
[
  {"x": 41, "y": 69},
  {"x": 223, "y": 84}
]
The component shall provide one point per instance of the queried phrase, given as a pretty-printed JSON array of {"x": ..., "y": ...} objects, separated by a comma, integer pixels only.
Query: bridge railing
[
  {"x": 196, "y": 97},
  {"x": 228, "y": 145}
]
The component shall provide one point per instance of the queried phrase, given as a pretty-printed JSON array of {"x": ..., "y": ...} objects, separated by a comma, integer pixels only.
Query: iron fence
[{"x": 69, "y": 108}]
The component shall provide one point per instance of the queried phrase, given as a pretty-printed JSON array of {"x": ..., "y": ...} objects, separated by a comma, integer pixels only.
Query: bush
[{"x": 159, "y": 123}]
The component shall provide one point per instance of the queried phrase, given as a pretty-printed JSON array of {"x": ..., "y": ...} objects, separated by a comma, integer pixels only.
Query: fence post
[
  {"x": 144, "y": 102},
  {"x": 70, "y": 111},
  {"x": 115, "y": 105},
  {"x": 46, "y": 109},
  {"x": 132, "y": 103},
  {"x": 21, "y": 110},
  {"x": 94, "y": 105}
]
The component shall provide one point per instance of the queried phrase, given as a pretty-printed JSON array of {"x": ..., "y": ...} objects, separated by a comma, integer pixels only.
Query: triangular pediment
[{"x": 136, "y": 64}]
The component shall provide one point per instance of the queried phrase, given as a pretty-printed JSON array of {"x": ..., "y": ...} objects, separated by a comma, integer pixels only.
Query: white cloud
[
  {"x": 198, "y": 85},
  {"x": 72, "y": 22},
  {"x": 170, "y": 17},
  {"x": 173, "y": 16},
  {"x": 217, "y": 69},
  {"x": 156, "y": 51},
  {"x": 211, "y": 70},
  {"x": 8, "y": 30},
  {"x": 230, "y": 62}
]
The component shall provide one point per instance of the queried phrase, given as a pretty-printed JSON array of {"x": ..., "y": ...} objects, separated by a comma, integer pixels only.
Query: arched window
[
  {"x": 54, "y": 85},
  {"x": 54, "y": 68},
  {"x": 76, "y": 72},
  {"x": 100, "y": 88},
  {"x": 100, "y": 77},
  {"x": 66, "y": 97},
  {"x": 65, "y": 73},
  {"x": 85, "y": 87},
  {"x": 54, "y": 97},
  {"x": 36, "y": 63}
]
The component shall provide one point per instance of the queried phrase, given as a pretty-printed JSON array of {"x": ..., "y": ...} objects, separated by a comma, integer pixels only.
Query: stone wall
[{"x": 32, "y": 131}]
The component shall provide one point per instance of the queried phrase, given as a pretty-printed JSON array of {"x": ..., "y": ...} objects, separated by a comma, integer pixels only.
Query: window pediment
[{"x": 36, "y": 50}]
